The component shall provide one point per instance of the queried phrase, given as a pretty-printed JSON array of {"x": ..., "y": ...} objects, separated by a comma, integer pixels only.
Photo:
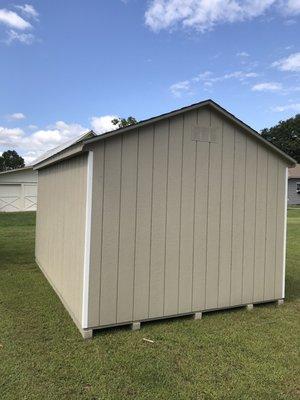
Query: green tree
[
  {"x": 122, "y": 122},
  {"x": 286, "y": 136},
  {"x": 10, "y": 159}
]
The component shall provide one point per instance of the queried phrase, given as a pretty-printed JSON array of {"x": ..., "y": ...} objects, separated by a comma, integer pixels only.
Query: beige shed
[{"x": 180, "y": 214}]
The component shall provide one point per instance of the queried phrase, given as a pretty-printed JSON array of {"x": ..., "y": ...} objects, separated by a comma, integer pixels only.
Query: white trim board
[
  {"x": 285, "y": 230},
  {"x": 87, "y": 245}
]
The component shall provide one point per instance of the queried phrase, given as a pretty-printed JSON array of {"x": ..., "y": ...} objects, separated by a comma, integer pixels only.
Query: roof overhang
[{"x": 65, "y": 154}]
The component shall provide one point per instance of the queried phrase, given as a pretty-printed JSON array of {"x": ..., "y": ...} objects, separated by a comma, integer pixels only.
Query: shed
[
  {"x": 179, "y": 214},
  {"x": 18, "y": 190},
  {"x": 294, "y": 186}
]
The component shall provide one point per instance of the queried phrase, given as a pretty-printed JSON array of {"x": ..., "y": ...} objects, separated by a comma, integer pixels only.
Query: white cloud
[
  {"x": 103, "y": 124},
  {"x": 291, "y": 63},
  {"x": 10, "y": 136},
  {"x": 24, "y": 38},
  {"x": 208, "y": 79},
  {"x": 290, "y": 7},
  {"x": 242, "y": 54},
  {"x": 179, "y": 88},
  {"x": 241, "y": 76},
  {"x": 13, "y": 20},
  {"x": 203, "y": 15},
  {"x": 288, "y": 107},
  {"x": 36, "y": 143},
  {"x": 16, "y": 116},
  {"x": 28, "y": 10},
  {"x": 16, "y": 23},
  {"x": 267, "y": 87}
]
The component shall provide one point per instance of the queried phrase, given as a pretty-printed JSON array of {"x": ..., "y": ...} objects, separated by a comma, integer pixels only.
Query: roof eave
[
  {"x": 16, "y": 170},
  {"x": 64, "y": 154}
]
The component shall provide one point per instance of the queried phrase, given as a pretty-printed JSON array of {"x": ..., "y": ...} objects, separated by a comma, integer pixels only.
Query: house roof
[
  {"x": 206, "y": 103},
  {"x": 294, "y": 172},
  {"x": 57, "y": 150},
  {"x": 16, "y": 170}
]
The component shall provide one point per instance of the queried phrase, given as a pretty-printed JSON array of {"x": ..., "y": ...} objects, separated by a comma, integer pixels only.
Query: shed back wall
[
  {"x": 181, "y": 225},
  {"x": 60, "y": 226}
]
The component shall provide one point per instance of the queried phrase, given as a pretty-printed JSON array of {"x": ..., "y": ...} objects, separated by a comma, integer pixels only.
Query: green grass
[{"x": 227, "y": 355}]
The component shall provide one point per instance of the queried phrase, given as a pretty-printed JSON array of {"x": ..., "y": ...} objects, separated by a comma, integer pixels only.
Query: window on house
[{"x": 298, "y": 187}]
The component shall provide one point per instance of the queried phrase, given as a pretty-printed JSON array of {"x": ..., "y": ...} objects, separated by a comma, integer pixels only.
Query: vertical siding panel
[
  {"x": 173, "y": 215},
  {"x": 143, "y": 223},
  {"x": 238, "y": 217},
  {"x": 213, "y": 223},
  {"x": 160, "y": 166},
  {"x": 271, "y": 228},
  {"x": 187, "y": 214},
  {"x": 96, "y": 235},
  {"x": 62, "y": 225},
  {"x": 260, "y": 224},
  {"x": 281, "y": 177},
  {"x": 127, "y": 227},
  {"x": 110, "y": 241},
  {"x": 249, "y": 224},
  {"x": 226, "y": 215},
  {"x": 200, "y": 218}
]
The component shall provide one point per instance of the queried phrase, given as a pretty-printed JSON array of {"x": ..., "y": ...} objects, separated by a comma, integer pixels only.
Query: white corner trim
[
  {"x": 285, "y": 231},
  {"x": 87, "y": 244}
]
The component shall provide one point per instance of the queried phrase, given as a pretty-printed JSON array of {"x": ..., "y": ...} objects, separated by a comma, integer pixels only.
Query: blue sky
[{"x": 68, "y": 66}]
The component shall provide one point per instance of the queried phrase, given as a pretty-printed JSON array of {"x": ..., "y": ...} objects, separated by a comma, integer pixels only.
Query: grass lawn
[{"x": 227, "y": 355}]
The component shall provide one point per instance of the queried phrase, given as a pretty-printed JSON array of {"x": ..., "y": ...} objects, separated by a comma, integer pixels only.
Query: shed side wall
[
  {"x": 180, "y": 226},
  {"x": 60, "y": 229}
]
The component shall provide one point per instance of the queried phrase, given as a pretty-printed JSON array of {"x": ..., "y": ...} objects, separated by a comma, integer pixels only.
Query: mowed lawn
[{"x": 227, "y": 355}]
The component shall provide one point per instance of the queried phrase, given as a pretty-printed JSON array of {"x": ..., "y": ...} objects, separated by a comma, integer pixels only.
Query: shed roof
[
  {"x": 294, "y": 172},
  {"x": 57, "y": 150},
  {"x": 206, "y": 103}
]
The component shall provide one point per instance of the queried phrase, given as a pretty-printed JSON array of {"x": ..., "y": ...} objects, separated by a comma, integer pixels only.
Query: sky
[{"x": 73, "y": 65}]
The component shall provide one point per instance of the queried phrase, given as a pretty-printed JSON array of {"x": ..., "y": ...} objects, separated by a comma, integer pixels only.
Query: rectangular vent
[
  {"x": 201, "y": 133},
  {"x": 206, "y": 134}
]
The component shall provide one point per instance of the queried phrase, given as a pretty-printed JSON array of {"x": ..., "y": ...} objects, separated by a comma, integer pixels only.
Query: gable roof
[
  {"x": 84, "y": 145},
  {"x": 294, "y": 172},
  {"x": 56, "y": 150},
  {"x": 191, "y": 107}
]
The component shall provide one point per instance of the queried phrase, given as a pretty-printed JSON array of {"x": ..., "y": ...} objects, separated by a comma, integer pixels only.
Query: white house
[{"x": 18, "y": 190}]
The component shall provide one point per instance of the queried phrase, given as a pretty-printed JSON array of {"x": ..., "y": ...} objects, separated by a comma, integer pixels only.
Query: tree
[
  {"x": 286, "y": 136},
  {"x": 10, "y": 159},
  {"x": 122, "y": 122}
]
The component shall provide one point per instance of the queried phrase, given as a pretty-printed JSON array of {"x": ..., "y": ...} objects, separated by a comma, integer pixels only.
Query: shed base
[
  {"x": 87, "y": 333},
  {"x": 136, "y": 325},
  {"x": 197, "y": 315}
]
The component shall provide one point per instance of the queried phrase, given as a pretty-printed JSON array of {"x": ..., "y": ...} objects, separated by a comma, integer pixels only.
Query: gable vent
[{"x": 206, "y": 134}]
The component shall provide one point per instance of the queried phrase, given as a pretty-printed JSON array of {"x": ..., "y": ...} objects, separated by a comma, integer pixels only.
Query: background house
[
  {"x": 294, "y": 185},
  {"x": 18, "y": 190}
]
